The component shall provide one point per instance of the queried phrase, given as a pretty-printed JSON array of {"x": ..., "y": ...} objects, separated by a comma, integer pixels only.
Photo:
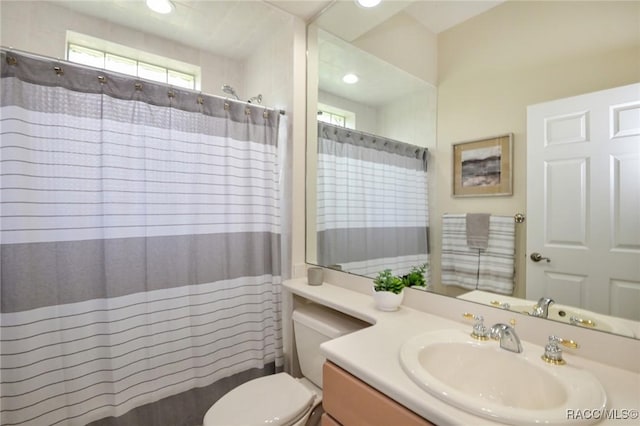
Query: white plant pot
[{"x": 388, "y": 301}]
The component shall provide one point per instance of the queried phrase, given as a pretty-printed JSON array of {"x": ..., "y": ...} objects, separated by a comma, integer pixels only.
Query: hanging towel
[
  {"x": 497, "y": 263},
  {"x": 478, "y": 230},
  {"x": 459, "y": 262},
  {"x": 491, "y": 269}
]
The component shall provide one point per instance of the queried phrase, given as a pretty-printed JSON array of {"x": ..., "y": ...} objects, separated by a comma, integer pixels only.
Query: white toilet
[{"x": 280, "y": 399}]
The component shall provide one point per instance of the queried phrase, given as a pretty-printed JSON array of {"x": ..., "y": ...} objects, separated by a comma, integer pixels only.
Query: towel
[
  {"x": 459, "y": 263},
  {"x": 478, "y": 230},
  {"x": 491, "y": 269},
  {"x": 496, "y": 270}
]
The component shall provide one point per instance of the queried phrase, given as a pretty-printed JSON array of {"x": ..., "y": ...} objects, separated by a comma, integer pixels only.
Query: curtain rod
[
  {"x": 90, "y": 68},
  {"x": 368, "y": 134},
  {"x": 517, "y": 218}
]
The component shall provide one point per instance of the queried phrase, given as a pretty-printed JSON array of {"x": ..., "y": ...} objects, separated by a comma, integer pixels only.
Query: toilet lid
[{"x": 275, "y": 400}]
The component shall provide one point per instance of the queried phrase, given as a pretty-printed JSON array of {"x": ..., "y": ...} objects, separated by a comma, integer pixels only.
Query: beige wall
[
  {"x": 521, "y": 53},
  {"x": 398, "y": 40},
  {"x": 411, "y": 118}
]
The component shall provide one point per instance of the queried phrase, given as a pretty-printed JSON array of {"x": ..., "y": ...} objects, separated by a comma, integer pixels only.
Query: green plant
[
  {"x": 415, "y": 277},
  {"x": 385, "y": 281}
]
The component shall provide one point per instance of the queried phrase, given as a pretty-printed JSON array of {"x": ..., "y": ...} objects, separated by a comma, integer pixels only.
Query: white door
[{"x": 583, "y": 201}]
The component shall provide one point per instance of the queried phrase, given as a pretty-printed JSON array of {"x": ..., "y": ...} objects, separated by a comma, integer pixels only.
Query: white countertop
[{"x": 372, "y": 355}]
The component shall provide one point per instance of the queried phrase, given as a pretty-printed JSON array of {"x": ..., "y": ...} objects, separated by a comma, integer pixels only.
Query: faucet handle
[
  {"x": 553, "y": 352},
  {"x": 501, "y": 305},
  {"x": 579, "y": 321},
  {"x": 480, "y": 331}
]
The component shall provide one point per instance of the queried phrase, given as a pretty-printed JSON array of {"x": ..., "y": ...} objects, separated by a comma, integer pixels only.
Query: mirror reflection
[
  {"x": 370, "y": 176},
  {"x": 485, "y": 82}
]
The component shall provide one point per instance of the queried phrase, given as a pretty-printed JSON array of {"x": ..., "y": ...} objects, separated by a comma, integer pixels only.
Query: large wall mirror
[
  {"x": 396, "y": 99},
  {"x": 386, "y": 115}
]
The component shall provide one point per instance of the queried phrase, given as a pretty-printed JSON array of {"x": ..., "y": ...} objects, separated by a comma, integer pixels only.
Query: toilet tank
[{"x": 313, "y": 325}]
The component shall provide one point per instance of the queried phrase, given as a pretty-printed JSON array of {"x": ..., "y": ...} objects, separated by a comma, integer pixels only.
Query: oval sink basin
[{"x": 483, "y": 379}]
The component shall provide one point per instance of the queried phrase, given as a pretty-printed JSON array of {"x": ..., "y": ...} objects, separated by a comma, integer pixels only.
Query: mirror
[
  {"x": 386, "y": 108},
  {"x": 375, "y": 33}
]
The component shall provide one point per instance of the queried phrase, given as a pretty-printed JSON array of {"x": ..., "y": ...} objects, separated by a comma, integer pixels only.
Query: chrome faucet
[
  {"x": 509, "y": 340},
  {"x": 541, "y": 309},
  {"x": 552, "y": 351}
]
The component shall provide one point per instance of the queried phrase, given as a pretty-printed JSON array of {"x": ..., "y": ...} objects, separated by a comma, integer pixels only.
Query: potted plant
[
  {"x": 388, "y": 291},
  {"x": 415, "y": 277}
]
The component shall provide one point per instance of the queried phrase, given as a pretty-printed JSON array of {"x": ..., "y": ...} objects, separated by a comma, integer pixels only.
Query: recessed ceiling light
[
  {"x": 350, "y": 78},
  {"x": 160, "y": 6},
  {"x": 368, "y": 3}
]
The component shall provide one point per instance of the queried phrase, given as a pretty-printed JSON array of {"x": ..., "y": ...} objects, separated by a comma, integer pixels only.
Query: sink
[
  {"x": 586, "y": 319},
  {"x": 490, "y": 382}
]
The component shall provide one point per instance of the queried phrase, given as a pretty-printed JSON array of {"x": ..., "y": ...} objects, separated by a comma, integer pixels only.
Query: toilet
[{"x": 280, "y": 399}]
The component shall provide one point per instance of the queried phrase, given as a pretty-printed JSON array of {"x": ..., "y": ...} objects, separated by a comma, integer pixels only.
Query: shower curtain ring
[
  {"x": 58, "y": 70},
  {"x": 102, "y": 79},
  {"x": 226, "y": 104},
  {"x": 138, "y": 87}
]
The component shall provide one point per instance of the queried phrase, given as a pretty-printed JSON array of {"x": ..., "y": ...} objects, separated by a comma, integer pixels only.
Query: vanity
[{"x": 366, "y": 383}]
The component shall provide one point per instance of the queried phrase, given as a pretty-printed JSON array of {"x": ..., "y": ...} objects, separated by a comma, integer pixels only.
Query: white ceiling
[
  {"x": 235, "y": 28},
  {"x": 231, "y": 29},
  {"x": 380, "y": 82}
]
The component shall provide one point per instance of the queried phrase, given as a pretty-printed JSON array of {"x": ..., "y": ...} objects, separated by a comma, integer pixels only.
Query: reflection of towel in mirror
[
  {"x": 491, "y": 269},
  {"x": 477, "y": 230}
]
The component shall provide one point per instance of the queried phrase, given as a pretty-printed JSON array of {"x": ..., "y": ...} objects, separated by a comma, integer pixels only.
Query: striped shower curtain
[
  {"x": 372, "y": 203},
  {"x": 140, "y": 247}
]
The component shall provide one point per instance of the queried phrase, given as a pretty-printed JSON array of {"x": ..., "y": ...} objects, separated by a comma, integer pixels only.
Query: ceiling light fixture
[
  {"x": 350, "y": 78},
  {"x": 160, "y": 6},
  {"x": 368, "y": 3}
]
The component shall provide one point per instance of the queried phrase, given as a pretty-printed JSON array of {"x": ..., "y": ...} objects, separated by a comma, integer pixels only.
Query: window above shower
[
  {"x": 114, "y": 57},
  {"x": 338, "y": 116}
]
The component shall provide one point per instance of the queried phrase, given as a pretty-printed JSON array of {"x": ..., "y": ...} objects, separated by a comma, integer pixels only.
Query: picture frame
[{"x": 483, "y": 167}]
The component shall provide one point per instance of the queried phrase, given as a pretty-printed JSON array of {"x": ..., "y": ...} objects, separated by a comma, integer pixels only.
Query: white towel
[
  {"x": 497, "y": 263},
  {"x": 491, "y": 269},
  {"x": 459, "y": 263}
]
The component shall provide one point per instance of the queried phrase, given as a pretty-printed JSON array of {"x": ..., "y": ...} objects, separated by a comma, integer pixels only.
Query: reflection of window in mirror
[
  {"x": 327, "y": 117},
  {"x": 338, "y": 116}
]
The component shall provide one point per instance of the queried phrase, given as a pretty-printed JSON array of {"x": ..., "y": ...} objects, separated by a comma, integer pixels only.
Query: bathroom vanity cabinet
[{"x": 347, "y": 401}]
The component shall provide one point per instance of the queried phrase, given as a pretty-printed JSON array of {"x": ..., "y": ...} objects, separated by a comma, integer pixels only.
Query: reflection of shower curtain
[
  {"x": 140, "y": 247},
  {"x": 372, "y": 202}
]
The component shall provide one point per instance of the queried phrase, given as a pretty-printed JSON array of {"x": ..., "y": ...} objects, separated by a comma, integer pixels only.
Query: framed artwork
[{"x": 483, "y": 167}]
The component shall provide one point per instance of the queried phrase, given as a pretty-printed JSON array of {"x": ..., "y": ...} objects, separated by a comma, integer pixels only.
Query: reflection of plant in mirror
[
  {"x": 385, "y": 281},
  {"x": 415, "y": 277}
]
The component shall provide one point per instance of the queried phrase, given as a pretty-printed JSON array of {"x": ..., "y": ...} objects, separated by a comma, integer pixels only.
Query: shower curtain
[
  {"x": 140, "y": 247},
  {"x": 372, "y": 202}
]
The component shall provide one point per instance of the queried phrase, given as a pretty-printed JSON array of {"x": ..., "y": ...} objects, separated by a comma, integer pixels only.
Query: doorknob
[{"x": 537, "y": 257}]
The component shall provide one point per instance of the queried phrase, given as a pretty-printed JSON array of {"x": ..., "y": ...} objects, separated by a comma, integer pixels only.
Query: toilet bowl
[{"x": 280, "y": 399}]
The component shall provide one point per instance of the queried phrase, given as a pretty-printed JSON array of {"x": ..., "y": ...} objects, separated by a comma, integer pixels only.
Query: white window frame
[
  {"x": 349, "y": 117},
  {"x": 172, "y": 69}
]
